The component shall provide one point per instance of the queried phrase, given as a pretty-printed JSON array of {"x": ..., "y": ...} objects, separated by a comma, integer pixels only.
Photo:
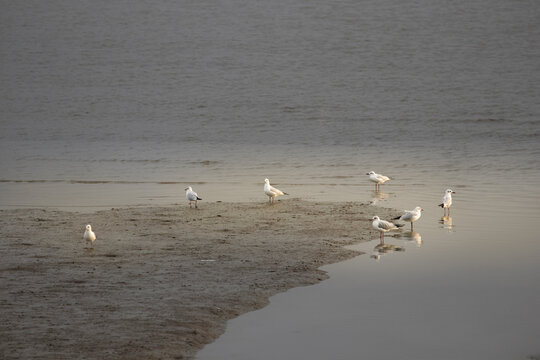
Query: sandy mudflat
[{"x": 162, "y": 281}]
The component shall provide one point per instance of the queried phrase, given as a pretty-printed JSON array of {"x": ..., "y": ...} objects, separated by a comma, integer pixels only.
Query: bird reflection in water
[
  {"x": 411, "y": 236},
  {"x": 379, "y": 196},
  {"x": 383, "y": 248},
  {"x": 415, "y": 237},
  {"x": 447, "y": 223}
]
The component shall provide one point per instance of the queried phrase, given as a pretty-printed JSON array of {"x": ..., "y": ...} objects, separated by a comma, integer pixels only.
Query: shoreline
[{"x": 162, "y": 281}]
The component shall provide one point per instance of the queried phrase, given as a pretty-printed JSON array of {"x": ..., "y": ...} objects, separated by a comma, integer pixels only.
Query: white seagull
[
  {"x": 447, "y": 201},
  {"x": 410, "y": 215},
  {"x": 89, "y": 236},
  {"x": 378, "y": 179},
  {"x": 191, "y": 196},
  {"x": 383, "y": 226},
  {"x": 271, "y": 191}
]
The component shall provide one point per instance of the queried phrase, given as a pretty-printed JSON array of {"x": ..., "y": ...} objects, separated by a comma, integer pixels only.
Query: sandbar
[{"x": 161, "y": 282}]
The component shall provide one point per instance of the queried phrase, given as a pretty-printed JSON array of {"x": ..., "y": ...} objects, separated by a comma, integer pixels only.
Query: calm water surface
[
  {"x": 464, "y": 287},
  {"x": 108, "y": 104}
]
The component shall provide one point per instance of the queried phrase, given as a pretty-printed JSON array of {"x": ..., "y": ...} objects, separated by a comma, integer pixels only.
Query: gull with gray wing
[
  {"x": 378, "y": 179},
  {"x": 383, "y": 226},
  {"x": 447, "y": 201},
  {"x": 192, "y": 196},
  {"x": 271, "y": 191},
  {"x": 410, "y": 215}
]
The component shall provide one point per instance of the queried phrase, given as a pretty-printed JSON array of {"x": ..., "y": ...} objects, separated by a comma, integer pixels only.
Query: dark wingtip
[
  {"x": 198, "y": 198},
  {"x": 396, "y": 218},
  {"x": 441, "y": 205},
  {"x": 285, "y": 193}
]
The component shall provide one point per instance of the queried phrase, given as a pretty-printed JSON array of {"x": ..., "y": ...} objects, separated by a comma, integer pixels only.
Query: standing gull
[
  {"x": 89, "y": 236},
  {"x": 410, "y": 215},
  {"x": 447, "y": 201},
  {"x": 383, "y": 226},
  {"x": 271, "y": 191},
  {"x": 191, "y": 196},
  {"x": 378, "y": 179}
]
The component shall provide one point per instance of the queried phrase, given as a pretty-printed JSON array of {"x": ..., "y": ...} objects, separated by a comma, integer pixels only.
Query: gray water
[{"x": 108, "y": 104}]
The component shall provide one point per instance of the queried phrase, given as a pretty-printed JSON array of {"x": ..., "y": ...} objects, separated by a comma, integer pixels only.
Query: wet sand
[{"x": 162, "y": 281}]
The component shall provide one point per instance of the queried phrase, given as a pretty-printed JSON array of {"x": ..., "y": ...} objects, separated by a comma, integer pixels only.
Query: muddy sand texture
[{"x": 162, "y": 281}]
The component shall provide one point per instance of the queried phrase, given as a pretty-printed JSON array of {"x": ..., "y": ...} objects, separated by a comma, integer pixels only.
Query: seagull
[
  {"x": 447, "y": 200},
  {"x": 410, "y": 215},
  {"x": 89, "y": 236},
  {"x": 378, "y": 179},
  {"x": 271, "y": 191},
  {"x": 383, "y": 226},
  {"x": 191, "y": 196}
]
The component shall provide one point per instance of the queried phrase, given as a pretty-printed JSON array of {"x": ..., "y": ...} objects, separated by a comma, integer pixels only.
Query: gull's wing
[
  {"x": 385, "y": 225},
  {"x": 191, "y": 195},
  {"x": 276, "y": 191},
  {"x": 407, "y": 216}
]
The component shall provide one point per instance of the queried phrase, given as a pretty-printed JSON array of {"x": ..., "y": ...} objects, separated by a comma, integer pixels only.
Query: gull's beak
[
  {"x": 367, "y": 173},
  {"x": 185, "y": 188},
  {"x": 453, "y": 192}
]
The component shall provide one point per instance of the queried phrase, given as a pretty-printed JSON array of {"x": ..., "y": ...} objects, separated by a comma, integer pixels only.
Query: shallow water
[
  {"x": 126, "y": 103},
  {"x": 466, "y": 287},
  {"x": 236, "y": 91}
]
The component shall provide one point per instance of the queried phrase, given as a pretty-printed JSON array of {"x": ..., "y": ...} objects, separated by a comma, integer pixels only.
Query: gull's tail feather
[
  {"x": 285, "y": 193},
  {"x": 198, "y": 198}
]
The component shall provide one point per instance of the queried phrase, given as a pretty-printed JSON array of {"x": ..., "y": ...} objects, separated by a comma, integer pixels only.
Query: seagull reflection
[
  {"x": 414, "y": 236},
  {"x": 383, "y": 248},
  {"x": 379, "y": 196},
  {"x": 447, "y": 223},
  {"x": 410, "y": 236}
]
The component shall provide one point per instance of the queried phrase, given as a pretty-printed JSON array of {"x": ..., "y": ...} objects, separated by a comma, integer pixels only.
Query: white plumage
[
  {"x": 383, "y": 226},
  {"x": 378, "y": 179},
  {"x": 271, "y": 191},
  {"x": 191, "y": 196},
  {"x": 89, "y": 236},
  {"x": 411, "y": 215},
  {"x": 447, "y": 200}
]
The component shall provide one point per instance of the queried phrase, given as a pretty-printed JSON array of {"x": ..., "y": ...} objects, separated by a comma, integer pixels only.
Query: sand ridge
[{"x": 162, "y": 281}]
